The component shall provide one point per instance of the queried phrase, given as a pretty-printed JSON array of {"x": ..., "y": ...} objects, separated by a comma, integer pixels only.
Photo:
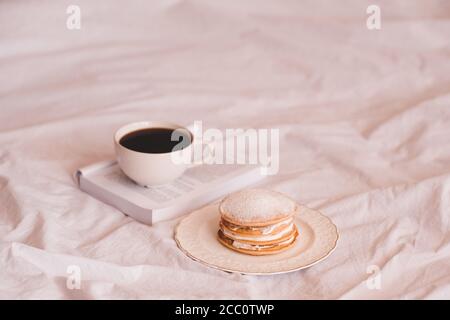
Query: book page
[{"x": 195, "y": 180}]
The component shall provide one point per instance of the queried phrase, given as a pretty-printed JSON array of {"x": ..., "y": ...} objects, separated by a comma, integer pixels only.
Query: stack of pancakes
[{"x": 257, "y": 222}]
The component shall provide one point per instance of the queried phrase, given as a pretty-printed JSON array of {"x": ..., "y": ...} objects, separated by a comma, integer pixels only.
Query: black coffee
[{"x": 156, "y": 140}]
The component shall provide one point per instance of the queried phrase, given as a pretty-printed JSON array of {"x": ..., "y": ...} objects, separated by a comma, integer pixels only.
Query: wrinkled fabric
[{"x": 364, "y": 120}]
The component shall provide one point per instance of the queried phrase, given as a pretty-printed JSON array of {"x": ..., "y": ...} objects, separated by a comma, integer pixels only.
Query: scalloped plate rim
[{"x": 217, "y": 267}]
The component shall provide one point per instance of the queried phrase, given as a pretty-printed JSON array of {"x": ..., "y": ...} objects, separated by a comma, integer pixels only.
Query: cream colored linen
[{"x": 364, "y": 118}]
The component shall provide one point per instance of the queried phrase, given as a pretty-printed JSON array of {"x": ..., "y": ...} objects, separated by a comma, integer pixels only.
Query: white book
[{"x": 197, "y": 187}]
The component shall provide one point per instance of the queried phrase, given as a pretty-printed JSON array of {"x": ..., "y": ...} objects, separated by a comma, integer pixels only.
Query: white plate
[{"x": 196, "y": 236}]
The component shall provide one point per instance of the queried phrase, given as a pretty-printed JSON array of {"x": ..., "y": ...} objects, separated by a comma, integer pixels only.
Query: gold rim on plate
[{"x": 195, "y": 235}]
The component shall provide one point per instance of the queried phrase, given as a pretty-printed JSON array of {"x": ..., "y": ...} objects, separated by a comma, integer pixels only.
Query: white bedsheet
[{"x": 365, "y": 138}]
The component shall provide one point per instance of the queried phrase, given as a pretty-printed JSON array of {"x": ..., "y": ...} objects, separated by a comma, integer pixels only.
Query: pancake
[
  {"x": 256, "y": 207},
  {"x": 257, "y": 230},
  {"x": 257, "y": 250},
  {"x": 257, "y": 222},
  {"x": 261, "y": 240}
]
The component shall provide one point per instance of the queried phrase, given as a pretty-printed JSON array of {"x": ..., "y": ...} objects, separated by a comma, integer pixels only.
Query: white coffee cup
[{"x": 149, "y": 169}]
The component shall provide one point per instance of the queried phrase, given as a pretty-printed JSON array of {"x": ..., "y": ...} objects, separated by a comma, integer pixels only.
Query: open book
[{"x": 197, "y": 187}]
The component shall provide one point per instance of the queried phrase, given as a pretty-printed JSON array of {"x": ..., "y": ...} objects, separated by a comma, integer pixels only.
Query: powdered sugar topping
[{"x": 257, "y": 204}]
